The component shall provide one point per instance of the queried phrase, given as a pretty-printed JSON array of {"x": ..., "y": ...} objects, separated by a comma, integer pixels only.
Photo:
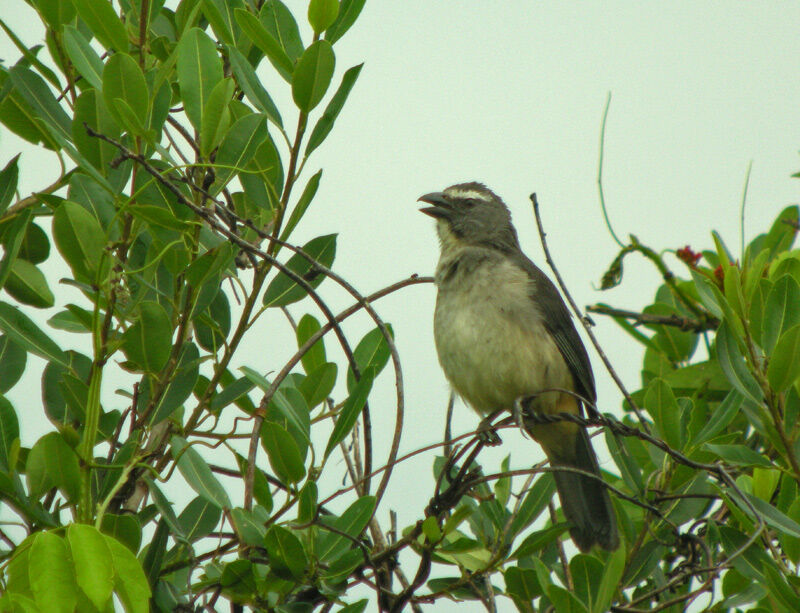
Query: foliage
[{"x": 177, "y": 196}]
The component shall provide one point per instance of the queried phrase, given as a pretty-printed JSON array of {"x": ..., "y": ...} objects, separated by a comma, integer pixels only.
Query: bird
[{"x": 503, "y": 333}]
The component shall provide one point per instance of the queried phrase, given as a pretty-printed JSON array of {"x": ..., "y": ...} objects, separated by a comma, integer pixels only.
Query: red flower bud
[{"x": 688, "y": 257}]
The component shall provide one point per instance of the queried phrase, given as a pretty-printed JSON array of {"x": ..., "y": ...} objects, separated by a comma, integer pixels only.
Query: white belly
[{"x": 491, "y": 342}]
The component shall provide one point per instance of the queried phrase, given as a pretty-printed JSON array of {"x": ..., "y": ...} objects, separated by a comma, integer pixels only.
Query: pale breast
[{"x": 489, "y": 334}]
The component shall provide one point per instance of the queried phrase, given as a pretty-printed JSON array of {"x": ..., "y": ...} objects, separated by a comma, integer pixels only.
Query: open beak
[{"x": 441, "y": 208}]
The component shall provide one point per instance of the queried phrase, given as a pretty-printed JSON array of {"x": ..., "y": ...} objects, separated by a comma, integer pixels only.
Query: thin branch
[{"x": 687, "y": 324}]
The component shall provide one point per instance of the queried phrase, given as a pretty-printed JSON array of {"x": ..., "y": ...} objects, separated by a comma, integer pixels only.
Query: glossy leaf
[
  {"x": 52, "y": 574},
  {"x": 284, "y": 290},
  {"x": 216, "y": 116},
  {"x": 28, "y": 285},
  {"x": 780, "y": 311},
  {"x": 91, "y": 111},
  {"x": 199, "y": 518},
  {"x": 282, "y": 451},
  {"x": 101, "y": 18},
  {"x": 123, "y": 80},
  {"x": 286, "y": 554},
  {"x": 8, "y": 182},
  {"x": 280, "y": 23},
  {"x": 41, "y": 99},
  {"x": 662, "y": 405},
  {"x": 352, "y": 522},
  {"x": 12, "y": 242},
  {"x": 9, "y": 434},
  {"x": 239, "y": 146},
  {"x": 261, "y": 37},
  {"x": 348, "y": 13},
  {"x": 351, "y": 409},
  {"x": 312, "y": 75},
  {"x": 784, "y": 365},
  {"x": 739, "y": 455},
  {"x": 53, "y": 463},
  {"x": 94, "y": 567},
  {"x": 21, "y": 329},
  {"x": 80, "y": 239},
  {"x": 148, "y": 342},
  {"x": 83, "y": 57},
  {"x": 372, "y": 351},
  {"x": 130, "y": 582},
  {"x": 198, "y": 474},
  {"x": 299, "y": 209},
  {"x": 124, "y": 528},
  {"x": 319, "y": 383},
  {"x": 534, "y": 503},
  {"x": 322, "y": 14},
  {"x": 733, "y": 365},
  {"x": 199, "y": 70},
  {"x": 251, "y": 85},
  {"x": 325, "y": 123},
  {"x": 315, "y": 356}
]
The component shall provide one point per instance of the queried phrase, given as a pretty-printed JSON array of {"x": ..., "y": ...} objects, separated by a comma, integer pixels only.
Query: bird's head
[{"x": 470, "y": 214}]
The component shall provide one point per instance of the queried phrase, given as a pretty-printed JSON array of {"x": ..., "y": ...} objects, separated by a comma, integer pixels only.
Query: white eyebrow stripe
[{"x": 468, "y": 193}]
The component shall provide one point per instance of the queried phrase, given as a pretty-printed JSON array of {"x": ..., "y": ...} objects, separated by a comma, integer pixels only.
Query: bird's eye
[{"x": 470, "y": 202}]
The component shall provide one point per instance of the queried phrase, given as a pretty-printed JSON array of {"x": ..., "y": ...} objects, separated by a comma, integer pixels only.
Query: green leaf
[
  {"x": 53, "y": 463},
  {"x": 55, "y": 12},
  {"x": 28, "y": 285},
  {"x": 286, "y": 553},
  {"x": 372, "y": 351},
  {"x": 12, "y": 241},
  {"x": 660, "y": 402},
  {"x": 251, "y": 86},
  {"x": 199, "y": 70},
  {"x": 784, "y": 365},
  {"x": 80, "y": 239},
  {"x": 720, "y": 418},
  {"x": 781, "y": 235},
  {"x": 248, "y": 527},
  {"x": 21, "y": 329},
  {"x": 125, "y": 528},
  {"x": 325, "y": 123},
  {"x": 130, "y": 582},
  {"x": 587, "y": 572},
  {"x": 239, "y": 146},
  {"x": 91, "y": 110},
  {"x": 41, "y": 99},
  {"x": 352, "y": 522},
  {"x": 780, "y": 311},
  {"x": 220, "y": 15},
  {"x": 199, "y": 518},
  {"x": 319, "y": 383},
  {"x": 610, "y": 583},
  {"x": 123, "y": 80},
  {"x": 102, "y": 20},
  {"x": 315, "y": 356},
  {"x": 299, "y": 209},
  {"x": 9, "y": 435},
  {"x": 181, "y": 384},
  {"x": 312, "y": 75},
  {"x": 198, "y": 474},
  {"x": 8, "y": 183},
  {"x": 148, "y": 342},
  {"x": 280, "y": 23},
  {"x": 83, "y": 57},
  {"x": 307, "y": 503},
  {"x": 733, "y": 365},
  {"x": 739, "y": 455},
  {"x": 282, "y": 451},
  {"x": 216, "y": 116},
  {"x": 351, "y": 409},
  {"x": 348, "y": 13},
  {"x": 257, "y": 33},
  {"x": 322, "y": 14},
  {"x": 536, "y": 500},
  {"x": 781, "y": 593},
  {"x": 93, "y": 563},
  {"x": 283, "y": 290},
  {"x": 52, "y": 574},
  {"x": 523, "y": 587}
]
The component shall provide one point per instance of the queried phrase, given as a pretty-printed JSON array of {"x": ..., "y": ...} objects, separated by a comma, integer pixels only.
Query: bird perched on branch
[{"x": 503, "y": 333}]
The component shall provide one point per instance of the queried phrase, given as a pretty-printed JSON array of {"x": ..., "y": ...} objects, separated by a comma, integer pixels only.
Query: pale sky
[{"x": 511, "y": 94}]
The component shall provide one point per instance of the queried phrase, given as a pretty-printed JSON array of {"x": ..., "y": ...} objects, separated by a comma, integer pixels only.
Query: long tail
[{"x": 585, "y": 501}]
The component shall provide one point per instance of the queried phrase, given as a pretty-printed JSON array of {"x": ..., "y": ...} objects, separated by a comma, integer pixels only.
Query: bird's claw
[
  {"x": 487, "y": 434},
  {"x": 518, "y": 414}
]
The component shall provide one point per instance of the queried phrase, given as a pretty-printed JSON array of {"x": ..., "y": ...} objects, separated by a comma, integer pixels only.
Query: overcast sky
[{"x": 511, "y": 94}]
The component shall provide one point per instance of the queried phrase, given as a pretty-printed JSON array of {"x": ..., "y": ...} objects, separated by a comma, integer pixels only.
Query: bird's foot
[
  {"x": 519, "y": 413},
  {"x": 487, "y": 434}
]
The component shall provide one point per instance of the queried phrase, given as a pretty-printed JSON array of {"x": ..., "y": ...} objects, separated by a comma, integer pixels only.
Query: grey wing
[{"x": 558, "y": 322}]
